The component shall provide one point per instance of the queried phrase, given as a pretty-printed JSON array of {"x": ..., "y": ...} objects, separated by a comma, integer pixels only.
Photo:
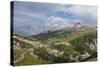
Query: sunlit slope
[{"x": 59, "y": 46}]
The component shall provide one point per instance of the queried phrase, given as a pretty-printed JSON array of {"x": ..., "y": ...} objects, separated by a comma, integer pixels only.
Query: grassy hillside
[{"x": 55, "y": 47}]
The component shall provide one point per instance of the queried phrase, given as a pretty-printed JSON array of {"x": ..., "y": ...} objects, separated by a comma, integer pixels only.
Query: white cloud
[
  {"x": 58, "y": 23},
  {"x": 54, "y": 19},
  {"x": 84, "y": 11},
  {"x": 37, "y": 17},
  {"x": 31, "y": 14}
]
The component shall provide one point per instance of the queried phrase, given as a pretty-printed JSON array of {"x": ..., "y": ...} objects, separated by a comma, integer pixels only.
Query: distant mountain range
[
  {"x": 31, "y": 31},
  {"x": 59, "y": 46}
]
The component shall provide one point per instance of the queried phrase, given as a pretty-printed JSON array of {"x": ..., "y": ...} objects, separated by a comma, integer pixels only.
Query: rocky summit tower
[{"x": 77, "y": 26}]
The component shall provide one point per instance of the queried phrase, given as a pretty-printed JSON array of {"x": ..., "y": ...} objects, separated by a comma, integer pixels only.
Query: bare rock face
[{"x": 77, "y": 26}]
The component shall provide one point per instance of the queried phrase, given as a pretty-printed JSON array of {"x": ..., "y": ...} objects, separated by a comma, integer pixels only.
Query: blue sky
[{"x": 32, "y": 18}]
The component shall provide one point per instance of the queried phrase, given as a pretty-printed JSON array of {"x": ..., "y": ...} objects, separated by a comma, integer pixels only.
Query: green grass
[
  {"x": 29, "y": 60},
  {"x": 67, "y": 37},
  {"x": 17, "y": 53},
  {"x": 75, "y": 48},
  {"x": 92, "y": 59}
]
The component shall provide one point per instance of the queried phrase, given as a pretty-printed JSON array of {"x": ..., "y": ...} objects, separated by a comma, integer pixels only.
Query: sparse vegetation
[{"x": 51, "y": 47}]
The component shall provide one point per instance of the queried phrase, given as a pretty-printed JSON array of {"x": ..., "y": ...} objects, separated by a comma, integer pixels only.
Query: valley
[{"x": 55, "y": 47}]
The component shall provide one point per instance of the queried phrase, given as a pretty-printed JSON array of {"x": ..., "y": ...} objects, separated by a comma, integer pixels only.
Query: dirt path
[{"x": 22, "y": 57}]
